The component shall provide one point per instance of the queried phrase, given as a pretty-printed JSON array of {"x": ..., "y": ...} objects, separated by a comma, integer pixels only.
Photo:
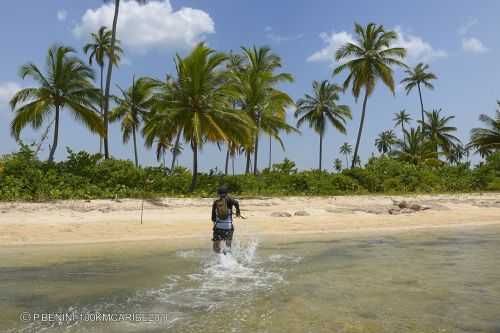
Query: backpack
[{"x": 222, "y": 208}]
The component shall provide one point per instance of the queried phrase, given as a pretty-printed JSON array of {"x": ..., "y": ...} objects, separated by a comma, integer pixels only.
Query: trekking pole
[{"x": 142, "y": 199}]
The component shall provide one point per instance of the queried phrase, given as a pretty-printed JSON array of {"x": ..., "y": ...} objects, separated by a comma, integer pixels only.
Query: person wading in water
[{"x": 222, "y": 217}]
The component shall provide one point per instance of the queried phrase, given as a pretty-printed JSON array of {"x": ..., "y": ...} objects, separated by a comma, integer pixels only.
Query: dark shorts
[{"x": 222, "y": 234}]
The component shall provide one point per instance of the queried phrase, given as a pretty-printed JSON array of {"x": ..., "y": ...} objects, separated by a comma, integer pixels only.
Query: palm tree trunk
[
  {"x": 320, "y": 150},
  {"x": 247, "y": 167},
  {"x": 346, "y": 161},
  {"x": 360, "y": 130},
  {"x": 403, "y": 129},
  {"x": 101, "y": 104},
  {"x": 232, "y": 164},
  {"x": 227, "y": 161},
  {"x": 270, "y": 151},
  {"x": 108, "y": 80},
  {"x": 421, "y": 101},
  {"x": 56, "y": 136},
  {"x": 256, "y": 151},
  {"x": 174, "y": 154},
  {"x": 135, "y": 147},
  {"x": 194, "y": 146}
]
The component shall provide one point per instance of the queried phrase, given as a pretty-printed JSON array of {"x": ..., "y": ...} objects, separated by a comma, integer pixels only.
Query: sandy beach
[{"x": 180, "y": 219}]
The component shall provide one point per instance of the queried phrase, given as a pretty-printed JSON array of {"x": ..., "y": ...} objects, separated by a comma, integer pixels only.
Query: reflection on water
[{"x": 426, "y": 282}]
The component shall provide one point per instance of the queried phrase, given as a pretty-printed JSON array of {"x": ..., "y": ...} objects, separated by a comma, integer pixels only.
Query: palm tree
[
  {"x": 132, "y": 107},
  {"x": 456, "y": 153},
  {"x": 438, "y": 131},
  {"x": 486, "y": 140},
  {"x": 385, "y": 141},
  {"x": 99, "y": 49},
  {"x": 200, "y": 104},
  {"x": 337, "y": 164},
  {"x": 368, "y": 60},
  {"x": 66, "y": 85},
  {"x": 259, "y": 98},
  {"x": 401, "y": 118},
  {"x": 346, "y": 150},
  {"x": 320, "y": 109},
  {"x": 415, "y": 148},
  {"x": 111, "y": 59},
  {"x": 417, "y": 77}
]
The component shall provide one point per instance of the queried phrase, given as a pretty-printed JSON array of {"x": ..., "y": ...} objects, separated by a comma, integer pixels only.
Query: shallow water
[{"x": 447, "y": 281}]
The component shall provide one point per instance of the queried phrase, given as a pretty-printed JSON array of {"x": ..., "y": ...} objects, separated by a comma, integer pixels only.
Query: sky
[{"x": 457, "y": 38}]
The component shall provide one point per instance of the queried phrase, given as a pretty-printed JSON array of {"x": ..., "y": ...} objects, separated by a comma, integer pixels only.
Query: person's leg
[{"x": 217, "y": 246}]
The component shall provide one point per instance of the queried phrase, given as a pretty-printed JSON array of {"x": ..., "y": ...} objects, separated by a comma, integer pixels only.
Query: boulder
[
  {"x": 407, "y": 211},
  {"x": 394, "y": 211},
  {"x": 403, "y": 204},
  {"x": 281, "y": 214},
  {"x": 301, "y": 213}
]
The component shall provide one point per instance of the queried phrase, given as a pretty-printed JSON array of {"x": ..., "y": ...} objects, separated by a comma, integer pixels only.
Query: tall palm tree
[
  {"x": 132, "y": 107},
  {"x": 320, "y": 109},
  {"x": 201, "y": 103},
  {"x": 416, "y": 77},
  {"x": 401, "y": 118},
  {"x": 67, "y": 84},
  {"x": 100, "y": 49},
  {"x": 385, "y": 141},
  {"x": 346, "y": 150},
  {"x": 337, "y": 164},
  {"x": 415, "y": 148},
  {"x": 486, "y": 140},
  {"x": 259, "y": 97},
  {"x": 438, "y": 131},
  {"x": 370, "y": 58},
  {"x": 110, "y": 71}
]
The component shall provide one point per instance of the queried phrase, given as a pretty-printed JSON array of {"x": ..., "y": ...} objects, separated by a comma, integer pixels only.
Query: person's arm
[
  {"x": 236, "y": 204},
  {"x": 214, "y": 214}
]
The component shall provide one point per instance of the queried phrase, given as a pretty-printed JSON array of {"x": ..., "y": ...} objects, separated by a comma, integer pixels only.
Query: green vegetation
[
  {"x": 86, "y": 176},
  {"x": 232, "y": 100}
]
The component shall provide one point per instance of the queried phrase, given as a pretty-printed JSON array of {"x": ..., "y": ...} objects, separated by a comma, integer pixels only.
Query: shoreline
[{"x": 182, "y": 219}]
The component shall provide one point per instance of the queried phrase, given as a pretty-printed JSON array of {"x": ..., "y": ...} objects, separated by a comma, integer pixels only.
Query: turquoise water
[{"x": 447, "y": 281}]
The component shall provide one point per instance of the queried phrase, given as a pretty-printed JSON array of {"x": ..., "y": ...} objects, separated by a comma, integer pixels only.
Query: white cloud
[
  {"x": 474, "y": 45},
  {"x": 62, "y": 15},
  {"x": 417, "y": 49},
  {"x": 152, "y": 25},
  {"x": 333, "y": 42},
  {"x": 7, "y": 91},
  {"x": 464, "y": 29}
]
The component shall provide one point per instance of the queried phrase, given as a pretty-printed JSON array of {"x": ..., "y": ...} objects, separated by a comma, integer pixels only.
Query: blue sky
[{"x": 459, "y": 39}]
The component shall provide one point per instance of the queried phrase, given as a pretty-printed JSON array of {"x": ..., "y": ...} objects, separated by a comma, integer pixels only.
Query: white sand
[{"x": 100, "y": 221}]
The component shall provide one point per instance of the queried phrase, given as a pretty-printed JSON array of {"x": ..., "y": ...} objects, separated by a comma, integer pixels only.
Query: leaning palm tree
[
  {"x": 346, "y": 150},
  {"x": 132, "y": 107},
  {"x": 200, "y": 104},
  {"x": 417, "y": 77},
  {"x": 99, "y": 49},
  {"x": 385, "y": 141},
  {"x": 320, "y": 109},
  {"x": 401, "y": 118},
  {"x": 438, "y": 131},
  {"x": 369, "y": 59},
  {"x": 67, "y": 85},
  {"x": 486, "y": 140},
  {"x": 110, "y": 71},
  {"x": 256, "y": 86}
]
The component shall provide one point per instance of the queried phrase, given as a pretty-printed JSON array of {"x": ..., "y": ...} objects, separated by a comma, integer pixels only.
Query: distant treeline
[{"x": 87, "y": 176}]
